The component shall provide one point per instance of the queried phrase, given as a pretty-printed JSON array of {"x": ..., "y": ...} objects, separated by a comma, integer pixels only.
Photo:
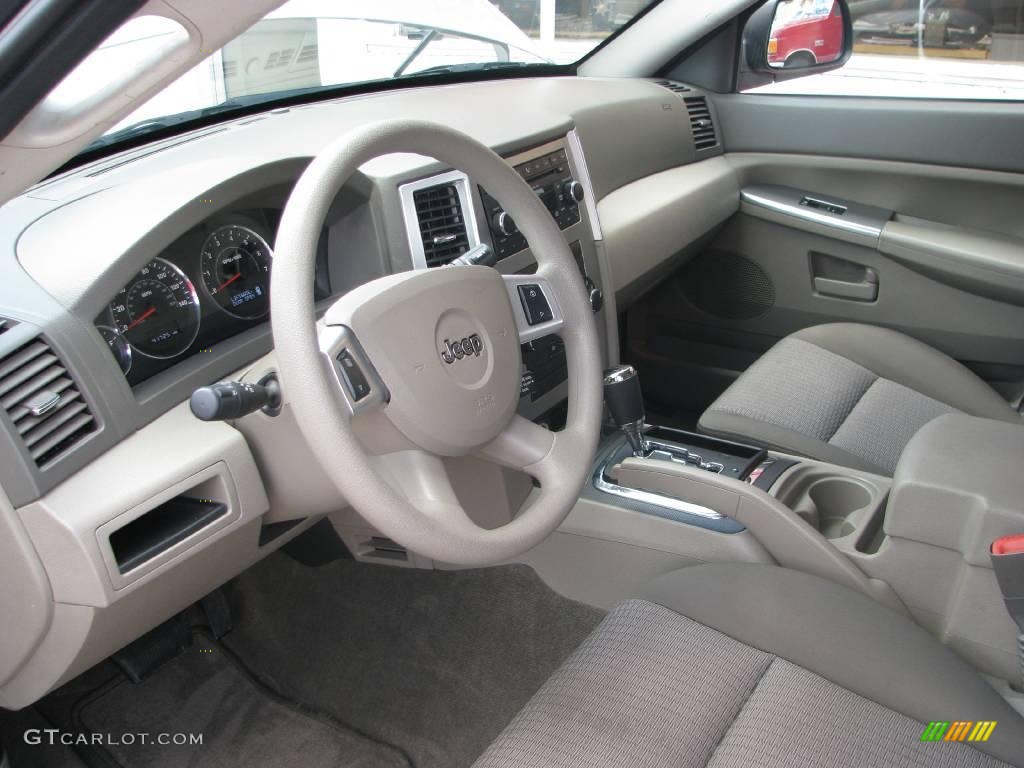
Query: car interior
[{"x": 628, "y": 410}]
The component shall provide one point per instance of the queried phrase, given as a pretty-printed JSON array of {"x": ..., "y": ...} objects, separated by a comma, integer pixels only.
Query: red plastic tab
[{"x": 1009, "y": 545}]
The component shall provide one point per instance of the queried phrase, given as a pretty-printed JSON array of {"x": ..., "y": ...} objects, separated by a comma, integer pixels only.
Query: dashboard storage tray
[{"x": 161, "y": 528}]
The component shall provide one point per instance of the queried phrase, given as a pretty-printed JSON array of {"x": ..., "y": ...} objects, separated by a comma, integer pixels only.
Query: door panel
[
  {"x": 982, "y": 135},
  {"x": 945, "y": 265}
]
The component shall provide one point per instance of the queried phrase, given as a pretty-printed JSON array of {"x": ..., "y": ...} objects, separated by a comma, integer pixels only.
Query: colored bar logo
[{"x": 958, "y": 730}]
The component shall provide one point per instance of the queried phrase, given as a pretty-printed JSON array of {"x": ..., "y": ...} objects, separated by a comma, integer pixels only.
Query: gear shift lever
[{"x": 626, "y": 403}]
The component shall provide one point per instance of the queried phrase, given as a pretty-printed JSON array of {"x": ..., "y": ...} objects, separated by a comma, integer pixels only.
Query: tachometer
[
  {"x": 235, "y": 265},
  {"x": 158, "y": 311}
]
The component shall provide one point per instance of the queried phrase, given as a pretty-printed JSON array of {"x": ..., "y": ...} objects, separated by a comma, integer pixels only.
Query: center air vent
[
  {"x": 43, "y": 402},
  {"x": 700, "y": 123},
  {"x": 442, "y": 225}
]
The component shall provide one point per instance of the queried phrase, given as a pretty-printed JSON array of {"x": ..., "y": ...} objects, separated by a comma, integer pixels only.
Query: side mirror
[{"x": 793, "y": 38}]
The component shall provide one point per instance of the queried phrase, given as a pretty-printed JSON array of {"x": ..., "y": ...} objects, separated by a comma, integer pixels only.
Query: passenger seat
[{"x": 848, "y": 394}]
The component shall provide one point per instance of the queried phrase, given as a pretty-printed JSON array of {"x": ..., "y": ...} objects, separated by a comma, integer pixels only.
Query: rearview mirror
[{"x": 791, "y": 38}]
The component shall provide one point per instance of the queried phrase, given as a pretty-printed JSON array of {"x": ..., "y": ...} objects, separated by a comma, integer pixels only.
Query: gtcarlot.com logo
[{"x": 53, "y": 736}]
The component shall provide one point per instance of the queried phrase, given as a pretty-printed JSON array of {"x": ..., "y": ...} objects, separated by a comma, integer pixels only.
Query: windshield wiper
[{"x": 427, "y": 38}]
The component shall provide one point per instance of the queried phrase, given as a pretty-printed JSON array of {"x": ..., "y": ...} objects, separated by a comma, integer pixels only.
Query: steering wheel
[{"x": 431, "y": 359}]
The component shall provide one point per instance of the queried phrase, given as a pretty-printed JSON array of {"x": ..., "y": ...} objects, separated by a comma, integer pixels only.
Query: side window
[{"x": 935, "y": 49}]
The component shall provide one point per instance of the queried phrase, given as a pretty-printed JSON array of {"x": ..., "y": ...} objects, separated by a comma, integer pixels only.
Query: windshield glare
[{"x": 310, "y": 44}]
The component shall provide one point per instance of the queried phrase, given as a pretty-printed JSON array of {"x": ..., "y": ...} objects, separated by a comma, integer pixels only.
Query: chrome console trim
[
  {"x": 579, "y": 161},
  {"x": 856, "y": 219},
  {"x": 660, "y": 451},
  {"x": 603, "y": 484}
]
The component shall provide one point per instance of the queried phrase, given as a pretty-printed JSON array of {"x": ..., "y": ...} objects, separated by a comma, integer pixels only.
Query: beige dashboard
[{"x": 83, "y": 590}]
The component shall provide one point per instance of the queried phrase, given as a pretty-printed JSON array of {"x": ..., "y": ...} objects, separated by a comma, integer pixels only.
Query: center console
[
  {"x": 553, "y": 181},
  {"x": 922, "y": 542},
  {"x": 729, "y": 488},
  {"x": 557, "y": 173}
]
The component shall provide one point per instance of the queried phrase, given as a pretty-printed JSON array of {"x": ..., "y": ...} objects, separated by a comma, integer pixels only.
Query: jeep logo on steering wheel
[{"x": 460, "y": 348}]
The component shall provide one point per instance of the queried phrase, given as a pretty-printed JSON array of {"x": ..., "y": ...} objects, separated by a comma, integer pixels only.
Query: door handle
[{"x": 843, "y": 289}]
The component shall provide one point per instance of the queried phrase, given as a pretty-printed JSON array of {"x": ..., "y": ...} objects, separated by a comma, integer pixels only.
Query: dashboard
[
  {"x": 211, "y": 284},
  {"x": 134, "y": 280}
]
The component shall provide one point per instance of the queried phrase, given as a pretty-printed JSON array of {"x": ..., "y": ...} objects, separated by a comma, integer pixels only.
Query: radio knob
[
  {"x": 504, "y": 223},
  {"x": 573, "y": 190}
]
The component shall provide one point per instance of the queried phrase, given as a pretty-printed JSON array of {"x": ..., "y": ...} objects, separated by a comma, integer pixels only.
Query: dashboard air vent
[
  {"x": 673, "y": 86},
  {"x": 441, "y": 222},
  {"x": 700, "y": 123},
  {"x": 43, "y": 402},
  {"x": 6, "y": 325}
]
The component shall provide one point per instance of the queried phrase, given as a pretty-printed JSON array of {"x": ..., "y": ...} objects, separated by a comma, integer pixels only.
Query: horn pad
[{"x": 445, "y": 344}]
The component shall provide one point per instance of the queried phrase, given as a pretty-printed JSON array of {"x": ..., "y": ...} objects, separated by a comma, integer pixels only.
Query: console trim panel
[{"x": 604, "y": 485}]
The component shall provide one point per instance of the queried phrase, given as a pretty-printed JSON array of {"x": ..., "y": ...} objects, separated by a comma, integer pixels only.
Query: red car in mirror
[{"x": 805, "y": 33}]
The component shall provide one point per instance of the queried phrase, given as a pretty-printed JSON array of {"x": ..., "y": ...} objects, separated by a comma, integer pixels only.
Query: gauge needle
[
  {"x": 140, "y": 318},
  {"x": 228, "y": 282}
]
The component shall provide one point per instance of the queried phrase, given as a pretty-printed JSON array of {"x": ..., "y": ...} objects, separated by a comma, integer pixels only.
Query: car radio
[{"x": 551, "y": 179}]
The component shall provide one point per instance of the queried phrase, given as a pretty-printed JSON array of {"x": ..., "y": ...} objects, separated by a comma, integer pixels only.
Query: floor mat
[
  {"x": 204, "y": 692},
  {"x": 28, "y": 746},
  {"x": 435, "y": 663}
]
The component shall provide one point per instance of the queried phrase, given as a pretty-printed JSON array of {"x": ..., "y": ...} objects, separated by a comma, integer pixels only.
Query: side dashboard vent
[
  {"x": 43, "y": 402},
  {"x": 442, "y": 224},
  {"x": 6, "y": 325},
  {"x": 673, "y": 86},
  {"x": 700, "y": 123}
]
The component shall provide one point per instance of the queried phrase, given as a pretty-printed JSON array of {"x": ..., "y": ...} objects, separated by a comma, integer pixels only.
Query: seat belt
[{"x": 1007, "y": 553}]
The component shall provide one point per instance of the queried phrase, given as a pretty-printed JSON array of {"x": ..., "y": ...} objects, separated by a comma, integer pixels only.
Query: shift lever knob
[{"x": 626, "y": 403}]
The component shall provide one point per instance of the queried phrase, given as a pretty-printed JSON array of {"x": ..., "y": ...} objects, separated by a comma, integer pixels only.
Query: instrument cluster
[{"x": 209, "y": 285}]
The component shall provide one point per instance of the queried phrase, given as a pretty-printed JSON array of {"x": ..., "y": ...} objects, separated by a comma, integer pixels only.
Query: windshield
[{"x": 309, "y": 45}]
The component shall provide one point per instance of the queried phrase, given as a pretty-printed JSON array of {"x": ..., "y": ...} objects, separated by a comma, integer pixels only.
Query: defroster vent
[
  {"x": 701, "y": 125},
  {"x": 673, "y": 86},
  {"x": 43, "y": 402},
  {"x": 442, "y": 223}
]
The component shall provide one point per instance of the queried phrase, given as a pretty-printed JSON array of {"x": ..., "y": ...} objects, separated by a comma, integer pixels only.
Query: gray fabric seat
[
  {"x": 848, "y": 394},
  {"x": 748, "y": 665}
]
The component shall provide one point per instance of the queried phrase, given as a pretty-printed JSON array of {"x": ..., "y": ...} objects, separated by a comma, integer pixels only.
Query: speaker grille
[{"x": 727, "y": 285}]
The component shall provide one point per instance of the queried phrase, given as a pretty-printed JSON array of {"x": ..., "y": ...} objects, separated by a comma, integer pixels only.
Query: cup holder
[{"x": 836, "y": 499}]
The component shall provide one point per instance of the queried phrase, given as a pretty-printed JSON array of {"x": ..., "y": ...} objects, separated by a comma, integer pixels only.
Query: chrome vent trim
[
  {"x": 440, "y": 220},
  {"x": 43, "y": 402},
  {"x": 701, "y": 124}
]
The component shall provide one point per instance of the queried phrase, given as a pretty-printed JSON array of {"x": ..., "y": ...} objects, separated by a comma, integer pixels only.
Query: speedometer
[
  {"x": 158, "y": 311},
  {"x": 235, "y": 265}
]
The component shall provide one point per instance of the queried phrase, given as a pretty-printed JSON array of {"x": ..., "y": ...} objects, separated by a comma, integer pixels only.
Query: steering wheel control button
[
  {"x": 535, "y": 304},
  {"x": 355, "y": 379}
]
